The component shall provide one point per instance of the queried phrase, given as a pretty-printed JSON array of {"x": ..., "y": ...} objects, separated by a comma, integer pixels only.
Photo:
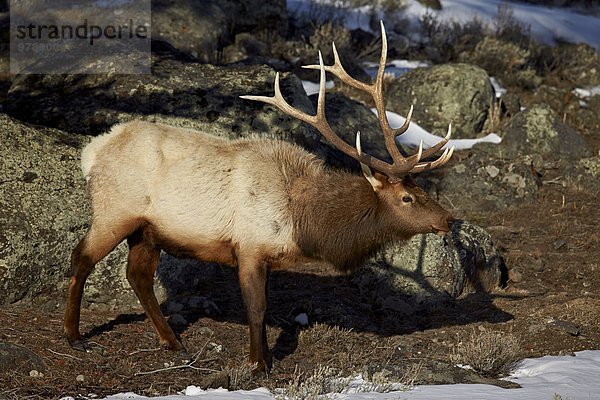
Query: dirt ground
[{"x": 551, "y": 246}]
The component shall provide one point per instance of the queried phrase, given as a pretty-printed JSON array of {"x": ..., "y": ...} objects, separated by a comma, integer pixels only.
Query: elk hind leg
[
  {"x": 142, "y": 263},
  {"x": 100, "y": 240}
]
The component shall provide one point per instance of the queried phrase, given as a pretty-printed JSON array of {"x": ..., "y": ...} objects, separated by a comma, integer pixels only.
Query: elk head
[{"x": 412, "y": 210}]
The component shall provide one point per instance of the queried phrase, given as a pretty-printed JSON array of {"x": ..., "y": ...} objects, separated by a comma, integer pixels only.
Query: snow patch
[
  {"x": 415, "y": 134},
  {"x": 586, "y": 93},
  {"x": 312, "y": 88},
  {"x": 500, "y": 91}
]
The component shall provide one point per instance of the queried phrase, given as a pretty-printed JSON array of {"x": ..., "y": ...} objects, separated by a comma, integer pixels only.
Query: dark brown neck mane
[{"x": 338, "y": 218}]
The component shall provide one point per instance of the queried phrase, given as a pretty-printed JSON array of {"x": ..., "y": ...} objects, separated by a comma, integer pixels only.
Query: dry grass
[
  {"x": 323, "y": 335},
  {"x": 494, "y": 121},
  {"x": 309, "y": 386},
  {"x": 490, "y": 353},
  {"x": 240, "y": 376},
  {"x": 326, "y": 34},
  {"x": 337, "y": 347},
  {"x": 324, "y": 380}
]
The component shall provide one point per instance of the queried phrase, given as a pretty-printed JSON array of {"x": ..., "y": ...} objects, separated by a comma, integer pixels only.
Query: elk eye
[{"x": 407, "y": 199}]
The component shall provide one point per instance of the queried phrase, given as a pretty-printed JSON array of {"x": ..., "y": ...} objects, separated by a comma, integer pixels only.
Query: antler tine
[
  {"x": 437, "y": 147},
  {"x": 278, "y": 101},
  {"x": 365, "y": 168},
  {"x": 443, "y": 159},
  {"x": 321, "y": 98},
  {"x": 338, "y": 70},
  {"x": 406, "y": 124},
  {"x": 378, "y": 87},
  {"x": 401, "y": 164}
]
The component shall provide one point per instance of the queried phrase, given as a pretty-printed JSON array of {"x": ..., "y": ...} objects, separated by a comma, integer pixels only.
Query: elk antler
[{"x": 401, "y": 165}]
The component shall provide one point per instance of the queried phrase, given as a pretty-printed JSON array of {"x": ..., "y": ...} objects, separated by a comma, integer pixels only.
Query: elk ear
[
  {"x": 408, "y": 181},
  {"x": 376, "y": 180}
]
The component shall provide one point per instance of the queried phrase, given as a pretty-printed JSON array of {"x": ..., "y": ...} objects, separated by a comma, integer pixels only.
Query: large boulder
[
  {"x": 43, "y": 212},
  {"x": 430, "y": 268},
  {"x": 539, "y": 131},
  {"x": 460, "y": 94},
  {"x": 484, "y": 181}
]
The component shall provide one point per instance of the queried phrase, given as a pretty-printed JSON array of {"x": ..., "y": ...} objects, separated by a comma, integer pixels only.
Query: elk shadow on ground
[{"x": 326, "y": 296}]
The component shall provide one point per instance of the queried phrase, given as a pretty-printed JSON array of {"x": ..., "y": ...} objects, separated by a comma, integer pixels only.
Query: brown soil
[{"x": 551, "y": 245}]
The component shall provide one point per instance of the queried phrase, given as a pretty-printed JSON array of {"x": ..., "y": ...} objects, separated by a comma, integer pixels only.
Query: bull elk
[{"x": 257, "y": 203}]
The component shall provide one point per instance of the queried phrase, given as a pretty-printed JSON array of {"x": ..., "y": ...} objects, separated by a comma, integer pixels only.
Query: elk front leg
[
  {"x": 253, "y": 283},
  {"x": 265, "y": 343}
]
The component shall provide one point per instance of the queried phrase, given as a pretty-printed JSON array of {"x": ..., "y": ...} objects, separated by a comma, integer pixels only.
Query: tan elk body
[{"x": 259, "y": 204}]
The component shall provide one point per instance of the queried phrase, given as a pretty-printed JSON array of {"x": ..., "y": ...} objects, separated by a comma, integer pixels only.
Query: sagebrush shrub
[{"x": 490, "y": 353}]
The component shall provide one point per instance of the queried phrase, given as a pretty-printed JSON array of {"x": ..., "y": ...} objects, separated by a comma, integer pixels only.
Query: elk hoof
[
  {"x": 174, "y": 346},
  {"x": 79, "y": 345},
  {"x": 260, "y": 369},
  {"x": 183, "y": 353}
]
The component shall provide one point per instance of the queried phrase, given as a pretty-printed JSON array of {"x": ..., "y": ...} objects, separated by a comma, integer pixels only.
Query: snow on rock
[
  {"x": 312, "y": 88},
  {"x": 586, "y": 93},
  {"x": 395, "y": 67},
  {"x": 500, "y": 91},
  {"x": 413, "y": 136}
]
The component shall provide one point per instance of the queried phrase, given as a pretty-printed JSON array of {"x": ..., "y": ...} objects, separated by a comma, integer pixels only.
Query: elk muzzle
[{"x": 443, "y": 226}]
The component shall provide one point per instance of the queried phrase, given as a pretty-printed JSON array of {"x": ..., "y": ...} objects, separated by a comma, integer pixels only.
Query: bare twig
[
  {"x": 144, "y": 351},
  {"x": 555, "y": 181},
  {"x": 449, "y": 201},
  {"x": 64, "y": 355},
  {"x": 189, "y": 364},
  {"x": 96, "y": 344}
]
